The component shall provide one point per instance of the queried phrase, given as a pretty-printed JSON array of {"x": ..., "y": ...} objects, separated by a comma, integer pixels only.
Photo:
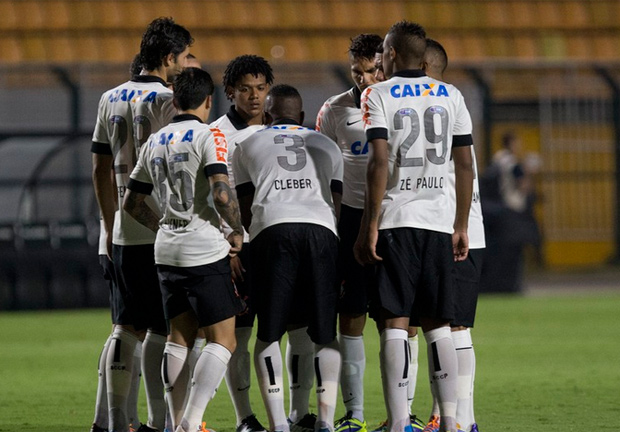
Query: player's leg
[
  {"x": 239, "y": 368},
  {"x": 274, "y": 271},
  {"x": 352, "y": 307},
  {"x": 320, "y": 290},
  {"x": 300, "y": 368},
  {"x": 211, "y": 297}
]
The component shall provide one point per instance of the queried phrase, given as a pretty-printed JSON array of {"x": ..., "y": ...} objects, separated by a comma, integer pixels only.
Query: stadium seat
[
  {"x": 8, "y": 15},
  {"x": 29, "y": 15},
  {"x": 56, "y": 15},
  {"x": 10, "y": 47}
]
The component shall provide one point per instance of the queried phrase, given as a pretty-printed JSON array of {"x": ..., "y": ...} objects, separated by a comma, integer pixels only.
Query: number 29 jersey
[
  {"x": 422, "y": 119},
  {"x": 293, "y": 170},
  {"x": 127, "y": 114},
  {"x": 175, "y": 163}
]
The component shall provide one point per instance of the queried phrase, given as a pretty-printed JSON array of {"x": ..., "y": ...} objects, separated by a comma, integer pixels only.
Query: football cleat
[
  {"x": 305, "y": 424},
  {"x": 350, "y": 424},
  {"x": 474, "y": 427},
  {"x": 416, "y": 423},
  {"x": 432, "y": 425},
  {"x": 383, "y": 427},
  {"x": 250, "y": 424},
  {"x": 95, "y": 428}
]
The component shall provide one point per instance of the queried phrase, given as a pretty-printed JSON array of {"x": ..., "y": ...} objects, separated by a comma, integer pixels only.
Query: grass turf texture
[{"x": 544, "y": 364}]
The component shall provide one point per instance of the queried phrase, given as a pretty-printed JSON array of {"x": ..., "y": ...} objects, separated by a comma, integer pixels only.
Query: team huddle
[{"x": 207, "y": 228}]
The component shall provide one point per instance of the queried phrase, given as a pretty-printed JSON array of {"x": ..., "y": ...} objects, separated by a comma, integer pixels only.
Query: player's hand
[
  {"x": 236, "y": 242},
  {"x": 237, "y": 269},
  {"x": 365, "y": 246},
  {"x": 460, "y": 245},
  {"x": 108, "y": 245}
]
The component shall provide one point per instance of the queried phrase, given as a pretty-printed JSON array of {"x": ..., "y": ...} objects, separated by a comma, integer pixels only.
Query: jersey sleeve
[
  {"x": 463, "y": 123},
  {"x": 337, "y": 169},
  {"x": 101, "y": 143},
  {"x": 215, "y": 153},
  {"x": 242, "y": 176},
  {"x": 375, "y": 122},
  {"x": 325, "y": 121}
]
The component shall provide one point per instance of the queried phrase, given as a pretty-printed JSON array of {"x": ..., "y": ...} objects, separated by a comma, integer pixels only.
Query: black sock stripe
[
  {"x": 317, "y": 371},
  {"x": 270, "y": 371},
  {"x": 117, "y": 350},
  {"x": 295, "y": 367},
  {"x": 164, "y": 369},
  {"x": 406, "y": 370},
  {"x": 436, "y": 363}
]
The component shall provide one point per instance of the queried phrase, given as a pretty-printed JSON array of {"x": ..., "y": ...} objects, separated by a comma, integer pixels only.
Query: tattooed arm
[
  {"x": 227, "y": 206},
  {"x": 135, "y": 205}
]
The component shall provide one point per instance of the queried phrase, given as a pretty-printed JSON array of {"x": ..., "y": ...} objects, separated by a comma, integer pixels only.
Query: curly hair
[
  {"x": 162, "y": 37},
  {"x": 244, "y": 65},
  {"x": 365, "y": 45}
]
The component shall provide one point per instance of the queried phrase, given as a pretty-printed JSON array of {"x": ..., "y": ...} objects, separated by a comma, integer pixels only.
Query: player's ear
[
  {"x": 208, "y": 102},
  {"x": 168, "y": 59},
  {"x": 392, "y": 53},
  {"x": 229, "y": 92}
]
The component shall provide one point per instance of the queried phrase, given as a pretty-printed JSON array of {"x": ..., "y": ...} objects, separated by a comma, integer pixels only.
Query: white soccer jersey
[
  {"x": 475, "y": 230},
  {"x": 127, "y": 115},
  {"x": 422, "y": 119},
  {"x": 174, "y": 164},
  {"x": 236, "y": 130},
  {"x": 293, "y": 170},
  {"x": 340, "y": 119}
]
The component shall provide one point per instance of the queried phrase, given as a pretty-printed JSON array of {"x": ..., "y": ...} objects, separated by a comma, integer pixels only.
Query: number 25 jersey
[{"x": 422, "y": 119}]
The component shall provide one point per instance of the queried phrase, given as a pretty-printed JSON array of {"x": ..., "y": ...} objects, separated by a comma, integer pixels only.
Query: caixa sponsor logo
[{"x": 358, "y": 149}]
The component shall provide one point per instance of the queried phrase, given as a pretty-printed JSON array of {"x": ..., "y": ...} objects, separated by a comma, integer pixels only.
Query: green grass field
[{"x": 544, "y": 364}]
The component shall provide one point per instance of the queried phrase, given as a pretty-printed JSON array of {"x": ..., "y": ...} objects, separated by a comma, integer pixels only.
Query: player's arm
[
  {"x": 135, "y": 204},
  {"x": 376, "y": 182},
  {"x": 464, "y": 180},
  {"x": 228, "y": 208},
  {"x": 105, "y": 193}
]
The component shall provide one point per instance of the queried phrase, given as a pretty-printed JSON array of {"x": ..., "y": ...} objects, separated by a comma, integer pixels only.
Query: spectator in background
[{"x": 508, "y": 196}]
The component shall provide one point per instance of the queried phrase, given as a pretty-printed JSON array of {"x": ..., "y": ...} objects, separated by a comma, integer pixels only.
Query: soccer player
[
  {"x": 185, "y": 163},
  {"x": 340, "y": 119},
  {"x": 246, "y": 82},
  {"x": 289, "y": 183},
  {"x": 127, "y": 115},
  {"x": 415, "y": 124},
  {"x": 466, "y": 278}
]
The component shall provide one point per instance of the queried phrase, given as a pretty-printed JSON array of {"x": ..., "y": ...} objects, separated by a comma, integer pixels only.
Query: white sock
[
  {"x": 152, "y": 356},
  {"x": 208, "y": 374},
  {"x": 175, "y": 375},
  {"x": 352, "y": 378},
  {"x": 101, "y": 403},
  {"x": 119, "y": 365},
  {"x": 413, "y": 370},
  {"x": 394, "y": 361},
  {"x": 327, "y": 364},
  {"x": 268, "y": 364},
  {"x": 443, "y": 373},
  {"x": 467, "y": 370},
  {"x": 199, "y": 344},
  {"x": 299, "y": 365},
  {"x": 238, "y": 375},
  {"x": 134, "y": 390}
]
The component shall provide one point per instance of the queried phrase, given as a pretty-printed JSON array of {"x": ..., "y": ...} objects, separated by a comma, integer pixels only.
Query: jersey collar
[
  {"x": 285, "y": 121},
  {"x": 236, "y": 119},
  {"x": 185, "y": 117},
  {"x": 410, "y": 73},
  {"x": 148, "y": 78},
  {"x": 357, "y": 97}
]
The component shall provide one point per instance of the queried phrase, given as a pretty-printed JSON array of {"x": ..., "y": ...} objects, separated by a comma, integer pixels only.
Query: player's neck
[{"x": 159, "y": 72}]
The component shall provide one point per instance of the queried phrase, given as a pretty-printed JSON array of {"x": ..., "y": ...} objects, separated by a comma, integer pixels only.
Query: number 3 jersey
[
  {"x": 293, "y": 170},
  {"x": 422, "y": 119},
  {"x": 175, "y": 163},
  {"x": 127, "y": 115}
]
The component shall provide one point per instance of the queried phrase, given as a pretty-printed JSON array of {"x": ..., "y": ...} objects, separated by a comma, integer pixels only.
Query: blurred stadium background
[{"x": 547, "y": 70}]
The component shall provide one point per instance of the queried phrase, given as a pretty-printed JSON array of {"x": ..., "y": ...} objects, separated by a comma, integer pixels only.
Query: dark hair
[
  {"x": 284, "y": 90},
  {"x": 135, "y": 67},
  {"x": 246, "y": 64},
  {"x": 162, "y": 37},
  {"x": 365, "y": 45},
  {"x": 439, "y": 54},
  {"x": 408, "y": 40},
  {"x": 379, "y": 48},
  {"x": 191, "y": 88}
]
